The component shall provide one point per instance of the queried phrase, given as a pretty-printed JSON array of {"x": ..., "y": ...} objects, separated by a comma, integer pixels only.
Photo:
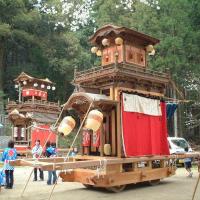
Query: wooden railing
[
  {"x": 130, "y": 68},
  {"x": 35, "y": 101}
]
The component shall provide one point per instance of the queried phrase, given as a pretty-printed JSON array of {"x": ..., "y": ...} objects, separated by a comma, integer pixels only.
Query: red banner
[
  {"x": 86, "y": 138},
  {"x": 96, "y": 139},
  {"x": 35, "y": 93}
]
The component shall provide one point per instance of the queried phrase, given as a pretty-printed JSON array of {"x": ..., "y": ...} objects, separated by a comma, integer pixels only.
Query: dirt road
[{"x": 178, "y": 187}]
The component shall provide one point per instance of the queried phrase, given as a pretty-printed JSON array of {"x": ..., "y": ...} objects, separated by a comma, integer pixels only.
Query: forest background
[{"x": 49, "y": 38}]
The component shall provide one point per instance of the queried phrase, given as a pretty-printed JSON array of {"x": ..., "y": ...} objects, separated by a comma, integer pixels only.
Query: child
[
  {"x": 51, "y": 151},
  {"x": 2, "y": 178},
  {"x": 73, "y": 152},
  {"x": 9, "y": 153},
  {"x": 188, "y": 164},
  {"x": 37, "y": 152}
]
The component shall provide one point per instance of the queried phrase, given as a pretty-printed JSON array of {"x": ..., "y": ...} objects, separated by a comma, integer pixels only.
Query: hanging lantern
[
  {"x": 15, "y": 131},
  {"x": 53, "y": 88},
  {"x": 94, "y": 49},
  {"x": 23, "y": 132},
  {"x": 24, "y": 82},
  {"x": 48, "y": 87},
  {"x": 66, "y": 125},
  {"x": 105, "y": 42},
  {"x": 42, "y": 86},
  {"x": 99, "y": 53},
  {"x": 35, "y": 84},
  {"x": 94, "y": 120},
  {"x": 149, "y": 48},
  {"x": 119, "y": 41},
  {"x": 152, "y": 53}
]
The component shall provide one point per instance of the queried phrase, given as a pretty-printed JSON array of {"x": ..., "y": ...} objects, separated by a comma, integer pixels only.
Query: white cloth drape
[{"x": 138, "y": 104}]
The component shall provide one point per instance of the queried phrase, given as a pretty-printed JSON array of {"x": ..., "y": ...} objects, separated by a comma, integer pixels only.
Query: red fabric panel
[
  {"x": 42, "y": 135},
  {"x": 33, "y": 92},
  {"x": 145, "y": 134}
]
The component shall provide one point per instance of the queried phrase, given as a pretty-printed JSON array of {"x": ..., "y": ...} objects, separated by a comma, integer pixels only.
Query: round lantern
[
  {"x": 94, "y": 120},
  {"x": 152, "y": 53},
  {"x": 35, "y": 84},
  {"x": 149, "y": 48},
  {"x": 67, "y": 125},
  {"x": 42, "y": 86},
  {"x": 119, "y": 41},
  {"x": 105, "y": 42},
  {"x": 24, "y": 82},
  {"x": 94, "y": 49},
  {"x": 99, "y": 53}
]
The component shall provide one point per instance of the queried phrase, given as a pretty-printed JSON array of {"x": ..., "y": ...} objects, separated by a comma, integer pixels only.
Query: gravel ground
[{"x": 178, "y": 187}]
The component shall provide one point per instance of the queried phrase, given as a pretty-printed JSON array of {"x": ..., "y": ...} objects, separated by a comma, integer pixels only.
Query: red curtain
[
  {"x": 42, "y": 135},
  {"x": 145, "y": 134}
]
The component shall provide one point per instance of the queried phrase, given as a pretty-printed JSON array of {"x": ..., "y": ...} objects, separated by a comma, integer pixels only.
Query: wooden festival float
[
  {"x": 121, "y": 105},
  {"x": 32, "y": 115}
]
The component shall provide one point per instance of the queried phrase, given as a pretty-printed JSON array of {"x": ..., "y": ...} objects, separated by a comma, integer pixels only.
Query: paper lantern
[
  {"x": 149, "y": 48},
  {"x": 15, "y": 130},
  {"x": 22, "y": 132},
  {"x": 66, "y": 125},
  {"x": 118, "y": 41},
  {"x": 94, "y": 49},
  {"x": 35, "y": 84},
  {"x": 53, "y": 88},
  {"x": 152, "y": 53},
  {"x": 99, "y": 53},
  {"x": 94, "y": 120},
  {"x": 24, "y": 82},
  {"x": 107, "y": 149},
  {"x": 105, "y": 42},
  {"x": 42, "y": 86}
]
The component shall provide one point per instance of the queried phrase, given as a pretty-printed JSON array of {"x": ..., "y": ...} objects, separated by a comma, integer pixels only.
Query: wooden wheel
[
  {"x": 154, "y": 182},
  {"x": 88, "y": 186},
  {"x": 116, "y": 189}
]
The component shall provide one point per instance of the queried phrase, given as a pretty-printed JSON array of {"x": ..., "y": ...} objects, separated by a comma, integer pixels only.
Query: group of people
[
  {"x": 50, "y": 151},
  {"x": 10, "y": 153}
]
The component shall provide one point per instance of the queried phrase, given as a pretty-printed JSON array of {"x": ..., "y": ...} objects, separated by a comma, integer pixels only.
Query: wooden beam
[
  {"x": 119, "y": 136},
  {"x": 102, "y": 141},
  {"x": 113, "y": 125},
  {"x": 59, "y": 164}
]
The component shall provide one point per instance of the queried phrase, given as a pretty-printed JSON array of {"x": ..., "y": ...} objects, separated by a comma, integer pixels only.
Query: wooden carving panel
[
  {"x": 135, "y": 55},
  {"x": 108, "y": 55}
]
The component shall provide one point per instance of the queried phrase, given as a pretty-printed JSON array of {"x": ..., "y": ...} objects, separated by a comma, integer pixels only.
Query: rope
[
  {"x": 101, "y": 168},
  {"x": 53, "y": 127},
  {"x": 33, "y": 168},
  {"x": 195, "y": 189},
  {"x": 178, "y": 91},
  {"x": 67, "y": 156}
]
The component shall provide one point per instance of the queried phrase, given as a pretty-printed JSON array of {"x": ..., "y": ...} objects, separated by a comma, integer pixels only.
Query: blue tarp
[{"x": 171, "y": 108}]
